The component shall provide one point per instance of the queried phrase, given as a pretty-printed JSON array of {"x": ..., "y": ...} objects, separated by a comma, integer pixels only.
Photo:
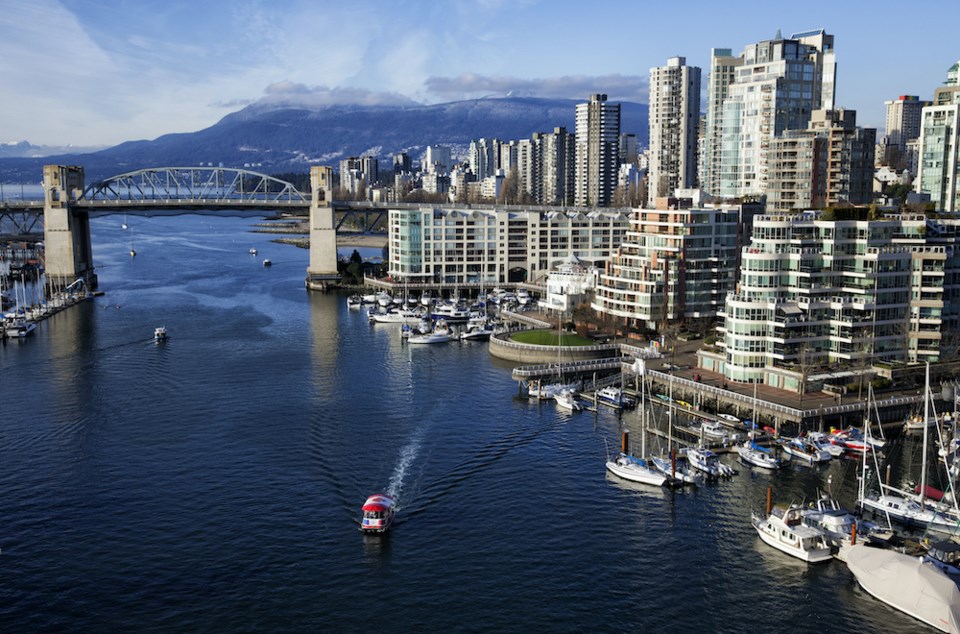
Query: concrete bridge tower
[
  {"x": 66, "y": 231},
  {"x": 322, "y": 272}
]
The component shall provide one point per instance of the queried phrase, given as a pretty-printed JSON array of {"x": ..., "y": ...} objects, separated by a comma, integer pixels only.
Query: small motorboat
[
  {"x": 160, "y": 333},
  {"x": 707, "y": 461},
  {"x": 253, "y": 251},
  {"x": 615, "y": 397},
  {"x": 945, "y": 555},
  {"x": 267, "y": 262},
  {"x": 804, "y": 450},
  {"x": 567, "y": 399},
  {"x": 784, "y": 530},
  {"x": 378, "y": 513}
]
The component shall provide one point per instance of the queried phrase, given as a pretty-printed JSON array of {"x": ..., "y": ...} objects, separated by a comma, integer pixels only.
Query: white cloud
[
  {"x": 468, "y": 85},
  {"x": 294, "y": 94}
]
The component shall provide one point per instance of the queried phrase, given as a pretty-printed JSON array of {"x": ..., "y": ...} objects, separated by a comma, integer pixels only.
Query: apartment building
[
  {"x": 676, "y": 263},
  {"x": 674, "y": 118},
  {"x": 818, "y": 295},
  {"x": 597, "y": 151},
  {"x": 498, "y": 245}
]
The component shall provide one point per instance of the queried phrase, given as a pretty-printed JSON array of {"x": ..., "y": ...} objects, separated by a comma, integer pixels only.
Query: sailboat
[
  {"x": 904, "y": 507},
  {"x": 133, "y": 251},
  {"x": 635, "y": 469},
  {"x": 669, "y": 465},
  {"x": 123, "y": 226}
]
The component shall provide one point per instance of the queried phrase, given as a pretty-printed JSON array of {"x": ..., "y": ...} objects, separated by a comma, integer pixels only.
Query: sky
[{"x": 100, "y": 72}]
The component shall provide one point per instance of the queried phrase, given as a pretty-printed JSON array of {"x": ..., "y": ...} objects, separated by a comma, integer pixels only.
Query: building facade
[
  {"x": 829, "y": 163},
  {"x": 674, "y": 265},
  {"x": 939, "y": 156},
  {"x": 597, "y": 151},
  {"x": 903, "y": 120},
  {"x": 820, "y": 296},
  {"x": 771, "y": 87},
  {"x": 497, "y": 246},
  {"x": 674, "y": 117}
]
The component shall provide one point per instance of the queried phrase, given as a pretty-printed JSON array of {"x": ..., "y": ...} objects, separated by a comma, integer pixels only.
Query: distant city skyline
[{"x": 86, "y": 72}]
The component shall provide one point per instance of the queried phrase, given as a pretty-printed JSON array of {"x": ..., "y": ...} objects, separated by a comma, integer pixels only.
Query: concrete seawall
[{"x": 503, "y": 348}]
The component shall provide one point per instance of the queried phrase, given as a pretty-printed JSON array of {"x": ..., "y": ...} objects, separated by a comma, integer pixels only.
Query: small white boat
[
  {"x": 267, "y": 262},
  {"x": 615, "y": 397},
  {"x": 402, "y": 316},
  {"x": 784, "y": 530},
  {"x": 253, "y": 251},
  {"x": 354, "y": 302},
  {"x": 837, "y": 523},
  {"x": 730, "y": 418},
  {"x": 752, "y": 453},
  {"x": 160, "y": 333},
  {"x": 677, "y": 469},
  {"x": 19, "y": 328},
  {"x": 567, "y": 399},
  {"x": 426, "y": 298},
  {"x": 384, "y": 298},
  {"x": 439, "y": 334},
  {"x": 908, "y": 584},
  {"x": 803, "y": 450},
  {"x": 634, "y": 470},
  {"x": 378, "y": 513},
  {"x": 707, "y": 461},
  {"x": 823, "y": 442},
  {"x": 476, "y": 333}
]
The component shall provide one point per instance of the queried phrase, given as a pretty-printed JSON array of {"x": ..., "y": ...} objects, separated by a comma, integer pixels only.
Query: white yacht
[
  {"x": 614, "y": 396},
  {"x": 707, "y": 461},
  {"x": 804, "y": 450},
  {"x": 784, "y": 530},
  {"x": 567, "y": 399},
  {"x": 439, "y": 334}
]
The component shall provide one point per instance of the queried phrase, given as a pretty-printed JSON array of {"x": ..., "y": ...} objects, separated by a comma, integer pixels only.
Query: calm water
[{"x": 213, "y": 483}]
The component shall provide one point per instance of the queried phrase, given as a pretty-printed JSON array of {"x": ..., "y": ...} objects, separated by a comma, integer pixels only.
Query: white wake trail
[{"x": 408, "y": 454}]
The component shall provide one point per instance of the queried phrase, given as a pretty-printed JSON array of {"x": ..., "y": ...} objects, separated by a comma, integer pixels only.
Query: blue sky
[{"x": 94, "y": 72}]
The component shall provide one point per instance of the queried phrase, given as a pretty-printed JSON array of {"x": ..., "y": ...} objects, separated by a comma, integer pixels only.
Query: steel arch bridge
[{"x": 200, "y": 186}]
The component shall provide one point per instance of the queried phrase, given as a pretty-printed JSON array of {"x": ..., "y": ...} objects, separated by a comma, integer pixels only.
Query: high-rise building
[
  {"x": 483, "y": 158},
  {"x": 939, "y": 156},
  {"x": 771, "y": 87},
  {"x": 821, "y": 297},
  {"x": 597, "y": 151},
  {"x": 673, "y": 119},
  {"x": 674, "y": 264},
  {"x": 828, "y": 163},
  {"x": 938, "y": 166},
  {"x": 437, "y": 159},
  {"x": 903, "y": 120},
  {"x": 949, "y": 92},
  {"x": 554, "y": 167}
]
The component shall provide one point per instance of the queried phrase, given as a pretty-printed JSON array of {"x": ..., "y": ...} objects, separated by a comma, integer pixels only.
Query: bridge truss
[{"x": 195, "y": 184}]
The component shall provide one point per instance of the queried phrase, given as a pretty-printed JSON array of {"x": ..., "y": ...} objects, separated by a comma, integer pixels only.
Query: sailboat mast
[
  {"x": 926, "y": 422},
  {"x": 643, "y": 419}
]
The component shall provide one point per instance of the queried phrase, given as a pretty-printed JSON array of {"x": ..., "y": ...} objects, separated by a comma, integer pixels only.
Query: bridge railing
[{"x": 208, "y": 184}]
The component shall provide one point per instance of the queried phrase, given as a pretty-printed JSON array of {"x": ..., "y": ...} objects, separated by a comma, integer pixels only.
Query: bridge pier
[
  {"x": 66, "y": 231},
  {"x": 322, "y": 272}
]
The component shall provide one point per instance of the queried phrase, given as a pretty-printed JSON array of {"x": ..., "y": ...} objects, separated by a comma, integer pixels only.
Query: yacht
[
  {"x": 804, "y": 450},
  {"x": 707, "y": 461},
  {"x": 614, "y": 396},
  {"x": 909, "y": 512},
  {"x": 677, "y": 469},
  {"x": 945, "y": 555},
  {"x": 823, "y": 442},
  {"x": 567, "y": 399},
  {"x": 784, "y": 530},
  {"x": 839, "y": 525},
  {"x": 439, "y": 334}
]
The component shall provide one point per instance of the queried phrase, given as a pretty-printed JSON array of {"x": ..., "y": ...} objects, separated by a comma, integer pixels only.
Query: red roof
[{"x": 379, "y": 502}]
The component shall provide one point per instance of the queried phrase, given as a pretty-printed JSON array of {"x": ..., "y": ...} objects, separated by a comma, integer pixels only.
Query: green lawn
[{"x": 550, "y": 338}]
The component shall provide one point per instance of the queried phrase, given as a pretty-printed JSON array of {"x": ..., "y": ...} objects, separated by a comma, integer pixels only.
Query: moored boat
[
  {"x": 615, "y": 397},
  {"x": 378, "y": 513},
  {"x": 752, "y": 453},
  {"x": 784, "y": 530},
  {"x": 707, "y": 461},
  {"x": 804, "y": 450},
  {"x": 567, "y": 399},
  {"x": 908, "y": 584},
  {"x": 635, "y": 470}
]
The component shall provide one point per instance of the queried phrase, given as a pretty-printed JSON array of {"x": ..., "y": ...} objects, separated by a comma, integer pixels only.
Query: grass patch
[{"x": 550, "y": 338}]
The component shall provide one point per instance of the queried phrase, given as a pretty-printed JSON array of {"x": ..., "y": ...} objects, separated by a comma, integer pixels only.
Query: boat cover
[
  {"x": 908, "y": 584},
  {"x": 379, "y": 502}
]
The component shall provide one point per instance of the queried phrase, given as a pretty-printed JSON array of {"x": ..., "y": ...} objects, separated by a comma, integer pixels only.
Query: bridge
[{"x": 68, "y": 204}]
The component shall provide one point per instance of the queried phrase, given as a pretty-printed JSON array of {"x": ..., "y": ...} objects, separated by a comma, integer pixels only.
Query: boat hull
[
  {"x": 636, "y": 473},
  {"x": 817, "y": 556}
]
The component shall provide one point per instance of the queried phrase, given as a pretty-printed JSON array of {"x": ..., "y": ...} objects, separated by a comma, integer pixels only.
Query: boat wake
[{"x": 408, "y": 453}]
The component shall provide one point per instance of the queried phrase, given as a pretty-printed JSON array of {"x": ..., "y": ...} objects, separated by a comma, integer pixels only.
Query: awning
[{"x": 789, "y": 309}]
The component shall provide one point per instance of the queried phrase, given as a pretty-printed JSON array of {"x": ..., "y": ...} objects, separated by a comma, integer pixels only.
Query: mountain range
[{"x": 282, "y": 139}]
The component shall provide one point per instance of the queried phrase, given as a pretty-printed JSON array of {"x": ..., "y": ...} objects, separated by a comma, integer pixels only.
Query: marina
[{"x": 217, "y": 481}]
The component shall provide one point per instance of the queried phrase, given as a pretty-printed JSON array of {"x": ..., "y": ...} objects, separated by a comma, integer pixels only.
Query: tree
[{"x": 355, "y": 257}]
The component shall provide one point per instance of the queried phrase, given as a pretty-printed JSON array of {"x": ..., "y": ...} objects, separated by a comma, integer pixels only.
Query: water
[{"x": 213, "y": 483}]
